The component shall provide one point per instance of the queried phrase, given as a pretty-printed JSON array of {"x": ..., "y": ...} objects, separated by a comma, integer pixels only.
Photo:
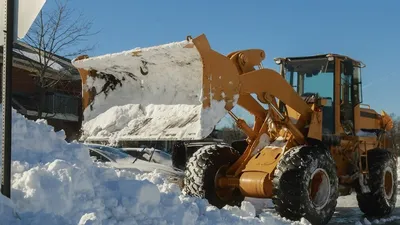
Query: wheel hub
[
  {"x": 388, "y": 183},
  {"x": 319, "y": 188},
  {"x": 224, "y": 193}
]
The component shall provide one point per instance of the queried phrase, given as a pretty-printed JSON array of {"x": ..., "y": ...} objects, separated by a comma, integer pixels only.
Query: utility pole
[
  {"x": 6, "y": 95},
  {"x": 18, "y": 18}
]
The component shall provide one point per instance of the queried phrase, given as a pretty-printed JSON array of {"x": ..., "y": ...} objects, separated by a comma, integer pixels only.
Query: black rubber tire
[
  {"x": 375, "y": 203},
  {"x": 291, "y": 182},
  {"x": 201, "y": 170}
]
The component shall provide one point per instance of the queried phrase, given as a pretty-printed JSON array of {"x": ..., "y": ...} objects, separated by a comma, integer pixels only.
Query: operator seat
[{"x": 327, "y": 111}]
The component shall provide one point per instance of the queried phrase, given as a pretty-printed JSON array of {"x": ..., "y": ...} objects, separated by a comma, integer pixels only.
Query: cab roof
[{"x": 344, "y": 57}]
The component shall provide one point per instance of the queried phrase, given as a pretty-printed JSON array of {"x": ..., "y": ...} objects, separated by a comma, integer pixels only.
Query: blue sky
[{"x": 365, "y": 30}]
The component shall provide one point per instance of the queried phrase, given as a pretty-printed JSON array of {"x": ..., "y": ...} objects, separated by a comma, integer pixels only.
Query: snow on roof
[
  {"x": 26, "y": 57},
  {"x": 36, "y": 58}
]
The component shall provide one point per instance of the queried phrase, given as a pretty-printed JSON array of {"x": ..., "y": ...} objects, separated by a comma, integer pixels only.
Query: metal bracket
[
  {"x": 363, "y": 158},
  {"x": 363, "y": 181},
  {"x": 364, "y": 170}
]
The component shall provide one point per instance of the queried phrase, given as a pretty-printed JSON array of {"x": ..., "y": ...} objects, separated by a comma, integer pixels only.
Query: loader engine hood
[{"x": 175, "y": 91}]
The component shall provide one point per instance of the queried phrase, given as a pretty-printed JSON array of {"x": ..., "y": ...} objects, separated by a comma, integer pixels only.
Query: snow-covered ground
[{"x": 55, "y": 182}]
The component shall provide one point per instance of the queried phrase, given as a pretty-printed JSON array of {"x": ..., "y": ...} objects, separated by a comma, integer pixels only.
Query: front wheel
[
  {"x": 201, "y": 172},
  {"x": 305, "y": 185},
  {"x": 382, "y": 183}
]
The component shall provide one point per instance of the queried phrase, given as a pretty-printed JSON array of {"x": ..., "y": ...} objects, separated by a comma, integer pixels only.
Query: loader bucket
[{"x": 175, "y": 91}]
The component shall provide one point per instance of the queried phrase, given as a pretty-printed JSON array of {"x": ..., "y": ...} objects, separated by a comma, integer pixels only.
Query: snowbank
[{"x": 55, "y": 182}]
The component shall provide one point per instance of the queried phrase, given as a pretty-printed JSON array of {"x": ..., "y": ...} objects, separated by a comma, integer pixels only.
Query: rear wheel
[
  {"x": 206, "y": 164},
  {"x": 382, "y": 183},
  {"x": 306, "y": 185}
]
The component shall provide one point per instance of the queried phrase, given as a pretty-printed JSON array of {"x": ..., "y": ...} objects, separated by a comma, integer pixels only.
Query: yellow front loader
[{"x": 312, "y": 140}]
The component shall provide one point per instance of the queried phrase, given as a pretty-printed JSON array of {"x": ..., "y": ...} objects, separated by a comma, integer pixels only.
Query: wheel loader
[{"x": 312, "y": 141}]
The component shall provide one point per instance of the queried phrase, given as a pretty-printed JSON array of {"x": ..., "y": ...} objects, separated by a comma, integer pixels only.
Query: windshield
[
  {"x": 157, "y": 156},
  {"x": 312, "y": 76},
  {"x": 113, "y": 153}
]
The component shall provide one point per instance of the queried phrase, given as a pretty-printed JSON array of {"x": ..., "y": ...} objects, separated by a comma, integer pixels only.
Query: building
[{"x": 61, "y": 105}]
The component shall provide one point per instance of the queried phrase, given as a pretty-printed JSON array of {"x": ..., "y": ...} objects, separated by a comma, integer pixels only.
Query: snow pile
[
  {"x": 55, "y": 182},
  {"x": 150, "y": 93},
  {"x": 379, "y": 221},
  {"x": 151, "y": 122}
]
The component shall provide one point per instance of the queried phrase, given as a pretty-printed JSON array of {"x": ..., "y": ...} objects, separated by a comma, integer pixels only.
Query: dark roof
[
  {"x": 24, "y": 58},
  {"x": 322, "y": 56}
]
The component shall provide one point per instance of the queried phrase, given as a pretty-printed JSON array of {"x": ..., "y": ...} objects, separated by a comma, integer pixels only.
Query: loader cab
[{"x": 334, "y": 79}]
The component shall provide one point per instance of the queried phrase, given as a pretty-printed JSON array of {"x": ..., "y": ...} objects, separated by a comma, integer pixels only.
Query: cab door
[{"x": 346, "y": 97}]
